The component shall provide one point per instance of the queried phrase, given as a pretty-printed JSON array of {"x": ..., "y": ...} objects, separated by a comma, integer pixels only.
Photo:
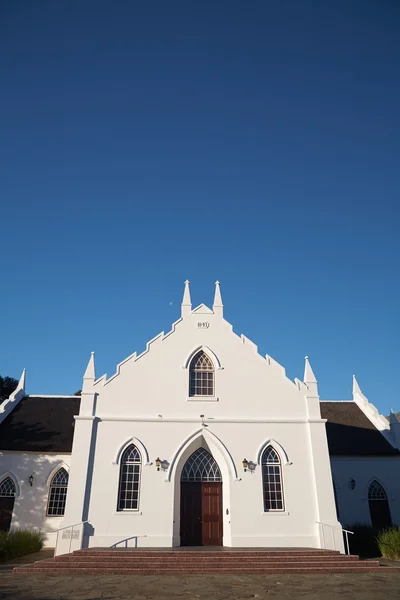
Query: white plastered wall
[
  {"x": 30, "y": 504},
  {"x": 148, "y": 400}
]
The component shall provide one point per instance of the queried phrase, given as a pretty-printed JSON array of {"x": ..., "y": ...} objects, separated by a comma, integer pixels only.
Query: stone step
[
  {"x": 209, "y": 553},
  {"x": 238, "y": 565},
  {"x": 99, "y": 570},
  {"x": 207, "y": 560}
]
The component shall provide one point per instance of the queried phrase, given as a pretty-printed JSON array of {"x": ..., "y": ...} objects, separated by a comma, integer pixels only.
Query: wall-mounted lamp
[
  {"x": 245, "y": 463},
  {"x": 162, "y": 465},
  {"x": 30, "y": 479},
  {"x": 352, "y": 483}
]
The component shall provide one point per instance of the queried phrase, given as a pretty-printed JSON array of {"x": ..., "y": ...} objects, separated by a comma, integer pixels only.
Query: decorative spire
[
  {"x": 21, "y": 383},
  {"x": 356, "y": 387},
  {"x": 309, "y": 376},
  {"x": 218, "y": 307},
  {"x": 310, "y": 379},
  {"x": 90, "y": 374},
  {"x": 186, "y": 305}
]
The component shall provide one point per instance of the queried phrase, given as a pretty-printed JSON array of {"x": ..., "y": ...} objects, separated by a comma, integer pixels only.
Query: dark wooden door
[
  {"x": 191, "y": 534},
  {"x": 201, "y": 514},
  {"x": 212, "y": 514},
  {"x": 6, "y": 511},
  {"x": 380, "y": 514}
]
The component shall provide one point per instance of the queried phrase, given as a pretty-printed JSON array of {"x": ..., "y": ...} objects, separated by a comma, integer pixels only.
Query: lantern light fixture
[
  {"x": 245, "y": 463},
  {"x": 158, "y": 463}
]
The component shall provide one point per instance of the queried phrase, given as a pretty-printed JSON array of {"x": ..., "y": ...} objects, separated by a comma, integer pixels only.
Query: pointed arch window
[
  {"x": 378, "y": 506},
  {"x": 272, "y": 480},
  {"x": 129, "y": 479},
  {"x": 200, "y": 466},
  {"x": 201, "y": 375},
  {"x": 58, "y": 493},
  {"x": 7, "y": 488}
]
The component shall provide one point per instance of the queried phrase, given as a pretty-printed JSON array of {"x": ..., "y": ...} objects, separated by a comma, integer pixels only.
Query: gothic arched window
[
  {"x": 200, "y": 466},
  {"x": 8, "y": 492},
  {"x": 378, "y": 506},
  {"x": 129, "y": 479},
  {"x": 7, "y": 488},
  {"x": 58, "y": 493},
  {"x": 201, "y": 375},
  {"x": 272, "y": 480}
]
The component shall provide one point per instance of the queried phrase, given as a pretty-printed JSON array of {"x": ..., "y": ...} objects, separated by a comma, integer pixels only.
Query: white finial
[
  {"x": 186, "y": 305},
  {"x": 21, "y": 383},
  {"x": 309, "y": 376},
  {"x": 217, "y": 306},
  {"x": 356, "y": 387},
  {"x": 90, "y": 373}
]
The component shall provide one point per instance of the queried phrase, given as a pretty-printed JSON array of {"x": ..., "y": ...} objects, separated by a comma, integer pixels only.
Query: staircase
[{"x": 100, "y": 561}]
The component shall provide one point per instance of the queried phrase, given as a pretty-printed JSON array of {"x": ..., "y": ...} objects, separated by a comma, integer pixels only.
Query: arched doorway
[
  {"x": 7, "y": 498},
  {"x": 378, "y": 506},
  {"x": 201, "y": 501}
]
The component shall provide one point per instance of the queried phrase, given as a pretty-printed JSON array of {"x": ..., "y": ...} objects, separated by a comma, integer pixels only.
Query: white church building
[{"x": 198, "y": 440}]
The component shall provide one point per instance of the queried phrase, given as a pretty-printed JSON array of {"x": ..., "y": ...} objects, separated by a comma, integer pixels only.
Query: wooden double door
[{"x": 201, "y": 514}]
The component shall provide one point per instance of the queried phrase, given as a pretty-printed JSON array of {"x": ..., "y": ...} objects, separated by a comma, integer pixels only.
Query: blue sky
[{"x": 256, "y": 143}]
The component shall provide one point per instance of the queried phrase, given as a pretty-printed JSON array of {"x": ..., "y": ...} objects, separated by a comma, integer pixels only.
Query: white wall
[
  {"x": 148, "y": 399},
  {"x": 30, "y": 504},
  {"x": 353, "y": 503}
]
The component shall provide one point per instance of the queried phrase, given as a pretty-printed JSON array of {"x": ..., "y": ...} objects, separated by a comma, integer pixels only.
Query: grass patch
[
  {"x": 388, "y": 542},
  {"x": 18, "y": 543}
]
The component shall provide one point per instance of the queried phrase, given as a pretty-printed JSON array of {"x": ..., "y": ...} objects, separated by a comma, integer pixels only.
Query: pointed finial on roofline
[
  {"x": 186, "y": 305},
  {"x": 309, "y": 376},
  {"x": 90, "y": 373},
  {"x": 356, "y": 387},
  {"x": 218, "y": 307}
]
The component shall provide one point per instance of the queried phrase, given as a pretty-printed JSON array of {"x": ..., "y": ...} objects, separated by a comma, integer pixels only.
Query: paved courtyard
[{"x": 374, "y": 586}]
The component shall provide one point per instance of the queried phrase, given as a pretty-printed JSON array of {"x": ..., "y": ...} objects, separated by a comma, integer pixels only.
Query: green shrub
[
  {"x": 20, "y": 542},
  {"x": 363, "y": 542},
  {"x": 389, "y": 542}
]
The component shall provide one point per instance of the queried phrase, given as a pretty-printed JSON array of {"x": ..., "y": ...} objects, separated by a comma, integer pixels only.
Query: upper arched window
[
  {"x": 7, "y": 488},
  {"x": 58, "y": 493},
  {"x": 378, "y": 506},
  {"x": 201, "y": 375},
  {"x": 272, "y": 480},
  {"x": 201, "y": 466},
  {"x": 129, "y": 479}
]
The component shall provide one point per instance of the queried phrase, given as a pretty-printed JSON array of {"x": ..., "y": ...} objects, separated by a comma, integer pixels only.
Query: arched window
[
  {"x": 7, "y": 497},
  {"x": 272, "y": 480},
  {"x": 200, "y": 466},
  {"x": 378, "y": 506},
  {"x": 201, "y": 375},
  {"x": 58, "y": 493},
  {"x": 129, "y": 479},
  {"x": 7, "y": 488}
]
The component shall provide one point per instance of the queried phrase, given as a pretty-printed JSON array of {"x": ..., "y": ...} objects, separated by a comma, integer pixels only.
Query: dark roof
[
  {"x": 350, "y": 432},
  {"x": 40, "y": 424}
]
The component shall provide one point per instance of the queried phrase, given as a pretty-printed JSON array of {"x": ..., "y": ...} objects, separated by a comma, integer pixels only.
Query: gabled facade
[{"x": 199, "y": 440}]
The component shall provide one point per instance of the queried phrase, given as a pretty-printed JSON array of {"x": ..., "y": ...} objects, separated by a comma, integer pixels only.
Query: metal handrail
[
  {"x": 346, "y": 531},
  {"x": 68, "y": 526},
  {"x": 71, "y": 527}
]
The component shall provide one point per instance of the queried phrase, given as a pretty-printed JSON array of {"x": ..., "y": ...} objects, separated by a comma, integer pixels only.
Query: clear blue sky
[{"x": 257, "y": 143}]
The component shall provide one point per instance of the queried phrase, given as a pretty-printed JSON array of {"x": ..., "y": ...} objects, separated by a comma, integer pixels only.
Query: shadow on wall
[{"x": 30, "y": 505}]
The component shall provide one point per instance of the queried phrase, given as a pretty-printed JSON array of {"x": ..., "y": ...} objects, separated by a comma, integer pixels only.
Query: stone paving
[{"x": 372, "y": 586}]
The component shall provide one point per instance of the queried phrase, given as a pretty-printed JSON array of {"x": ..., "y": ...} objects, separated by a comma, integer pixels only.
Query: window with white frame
[
  {"x": 7, "y": 488},
  {"x": 201, "y": 375},
  {"x": 58, "y": 493},
  {"x": 129, "y": 479},
  {"x": 272, "y": 480}
]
